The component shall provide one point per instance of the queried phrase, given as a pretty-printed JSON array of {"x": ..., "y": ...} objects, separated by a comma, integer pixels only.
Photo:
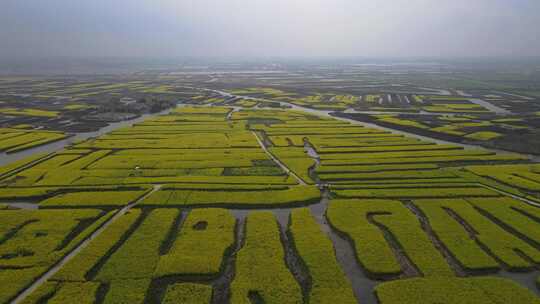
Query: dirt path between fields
[{"x": 277, "y": 161}]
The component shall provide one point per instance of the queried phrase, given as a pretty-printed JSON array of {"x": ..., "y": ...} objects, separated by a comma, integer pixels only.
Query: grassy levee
[
  {"x": 261, "y": 273},
  {"x": 328, "y": 281},
  {"x": 199, "y": 249}
]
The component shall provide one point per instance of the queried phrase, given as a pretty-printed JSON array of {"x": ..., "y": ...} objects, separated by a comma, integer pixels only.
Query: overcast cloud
[{"x": 174, "y": 28}]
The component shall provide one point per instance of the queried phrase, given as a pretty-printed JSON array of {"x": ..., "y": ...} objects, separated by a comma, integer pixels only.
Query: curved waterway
[{"x": 61, "y": 144}]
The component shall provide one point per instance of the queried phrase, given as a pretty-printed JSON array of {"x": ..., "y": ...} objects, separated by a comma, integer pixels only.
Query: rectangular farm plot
[
  {"x": 405, "y": 154},
  {"x": 427, "y": 159},
  {"x": 372, "y": 168},
  {"x": 138, "y": 256},
  {"x": 261, "y": 272},
  {"x": 343, "y": 142},
  {"x": 93, "y": 199},
  {"x": 195, "y": 179},
  {"x": 192, "y": 158},
  {"x": 203, "y": 240},
  {"x": 177, "y": 141},
  {"x": 405, "y": 174},
  {"x": 401, "y": 192},
  {"x": 383, "y": 146},
  {"x": 290, "y": 196}
]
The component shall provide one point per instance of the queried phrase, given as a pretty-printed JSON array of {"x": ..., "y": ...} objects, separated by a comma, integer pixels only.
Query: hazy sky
[{"x": 173, "y": 28}]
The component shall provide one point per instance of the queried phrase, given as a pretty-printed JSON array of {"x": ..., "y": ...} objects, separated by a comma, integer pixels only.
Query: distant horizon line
[{"x": 273, "y": 57}]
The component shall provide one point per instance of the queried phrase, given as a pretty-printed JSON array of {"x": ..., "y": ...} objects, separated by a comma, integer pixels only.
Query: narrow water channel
[{"x": 311, "y": 152}]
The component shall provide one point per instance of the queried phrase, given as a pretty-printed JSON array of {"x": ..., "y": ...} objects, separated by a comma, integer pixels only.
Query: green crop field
[{"x": 233, "y": 202}]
